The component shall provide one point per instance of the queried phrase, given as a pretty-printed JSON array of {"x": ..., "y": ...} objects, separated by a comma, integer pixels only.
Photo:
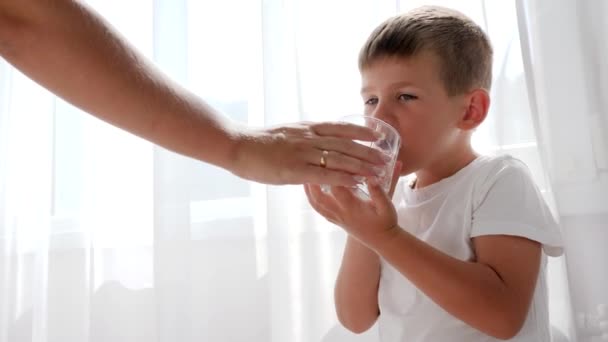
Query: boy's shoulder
[
  {"x": 500, "y": 171},
  {"x": 492, "y": 168},
  {"x": 499, "y": 165}
]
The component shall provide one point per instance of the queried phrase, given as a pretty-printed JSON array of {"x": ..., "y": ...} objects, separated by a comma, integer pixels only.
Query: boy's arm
[
  {"x": 356, "y": 290},
  {"x": 492, "y": 293},
  {"x": 72, "y": 51}
]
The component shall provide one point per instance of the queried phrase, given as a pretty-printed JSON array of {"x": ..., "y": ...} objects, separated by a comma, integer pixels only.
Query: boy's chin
[{"x": 406, "y": 170}]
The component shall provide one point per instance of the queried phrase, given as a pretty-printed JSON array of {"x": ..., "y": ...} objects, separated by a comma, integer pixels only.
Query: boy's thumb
[
  {"x": 380, "y": 199},
  {"x": 396, "y": 175}
]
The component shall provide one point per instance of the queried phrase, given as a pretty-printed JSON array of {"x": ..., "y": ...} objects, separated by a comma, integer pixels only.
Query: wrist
[
  {"x": 244, "y": 156},
  {"x": 238, "y": 140},
  {"x": 385, "y": 239}
]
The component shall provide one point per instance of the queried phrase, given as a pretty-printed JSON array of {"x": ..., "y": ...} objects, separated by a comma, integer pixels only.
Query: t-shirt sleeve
[{"x": 509, "y": 203}]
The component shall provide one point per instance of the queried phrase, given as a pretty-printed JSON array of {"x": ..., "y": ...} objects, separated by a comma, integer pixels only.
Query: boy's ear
[{"x": 477, "y": 105}]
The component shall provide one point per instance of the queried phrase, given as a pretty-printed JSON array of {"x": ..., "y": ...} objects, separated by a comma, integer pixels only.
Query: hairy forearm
[
  {"x": 470, "y": 291},
  {"x": 71, "y": 51},
  {"x": 356, "y": 291}
]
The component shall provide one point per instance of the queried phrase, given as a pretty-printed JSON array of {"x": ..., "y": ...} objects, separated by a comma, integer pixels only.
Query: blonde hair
[{"x": 463, "y": 49}]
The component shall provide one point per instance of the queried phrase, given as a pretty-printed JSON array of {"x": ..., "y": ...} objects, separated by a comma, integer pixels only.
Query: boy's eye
[
  {"x": 407, "y": 97},
  {"x": 371, "y": 101}
]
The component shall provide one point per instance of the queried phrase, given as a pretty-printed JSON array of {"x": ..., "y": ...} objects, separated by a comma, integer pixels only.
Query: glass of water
[{"x": 389, "y": 145}]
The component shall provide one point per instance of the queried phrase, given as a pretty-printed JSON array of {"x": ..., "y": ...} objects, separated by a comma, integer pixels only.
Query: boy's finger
[
  {"x": 307, "y": 192},
  {"x": 396, "y": 175},
  {"x": 324, "y": 209},
  {"x": 380, "y": 199},
  {"x": 314, "y": 193},
  {"x": 319, "y": 175},
  {"x": 320, "y": 200},
  {"x": 313, "y": 199},
  {"x": 344, "y": 196}
]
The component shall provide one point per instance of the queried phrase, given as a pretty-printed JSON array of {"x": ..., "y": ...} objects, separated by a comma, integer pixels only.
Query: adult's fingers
[
  {"x": 346, "y": 130},
  {"x": 341, "y": 162},
  {"x": 353, "y": 149}
]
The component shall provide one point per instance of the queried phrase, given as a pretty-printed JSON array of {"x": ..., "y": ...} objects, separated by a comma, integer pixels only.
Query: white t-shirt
[{"x": 490, "y": 196}]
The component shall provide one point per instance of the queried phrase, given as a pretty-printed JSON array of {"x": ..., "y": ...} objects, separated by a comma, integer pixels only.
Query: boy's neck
[{"x": 444, "y": 167}]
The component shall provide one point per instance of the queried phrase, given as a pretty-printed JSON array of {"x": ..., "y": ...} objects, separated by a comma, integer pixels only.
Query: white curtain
[
  {"x": 105, "y": 237},
  {"x": 565, "y": 54}
]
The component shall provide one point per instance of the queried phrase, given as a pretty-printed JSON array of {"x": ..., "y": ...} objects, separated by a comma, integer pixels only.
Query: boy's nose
[{"x": 382, "y": 113}]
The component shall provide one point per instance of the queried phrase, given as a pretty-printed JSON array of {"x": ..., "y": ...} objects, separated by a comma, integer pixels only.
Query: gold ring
[{"x": 323, "y": 161}]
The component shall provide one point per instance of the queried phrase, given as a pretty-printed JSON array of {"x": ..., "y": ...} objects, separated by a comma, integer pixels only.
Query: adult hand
[{"x": 294, "y": 154}]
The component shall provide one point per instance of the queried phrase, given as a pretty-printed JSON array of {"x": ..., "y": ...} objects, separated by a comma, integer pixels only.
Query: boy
[{"x": 458, "y": 254}]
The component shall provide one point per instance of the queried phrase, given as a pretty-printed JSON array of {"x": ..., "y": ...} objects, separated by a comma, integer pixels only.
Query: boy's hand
[{"x": 369, "y": 221}]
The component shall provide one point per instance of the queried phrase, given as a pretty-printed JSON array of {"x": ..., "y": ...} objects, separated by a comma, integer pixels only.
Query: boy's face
[{"x": 408, "y": 94}]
